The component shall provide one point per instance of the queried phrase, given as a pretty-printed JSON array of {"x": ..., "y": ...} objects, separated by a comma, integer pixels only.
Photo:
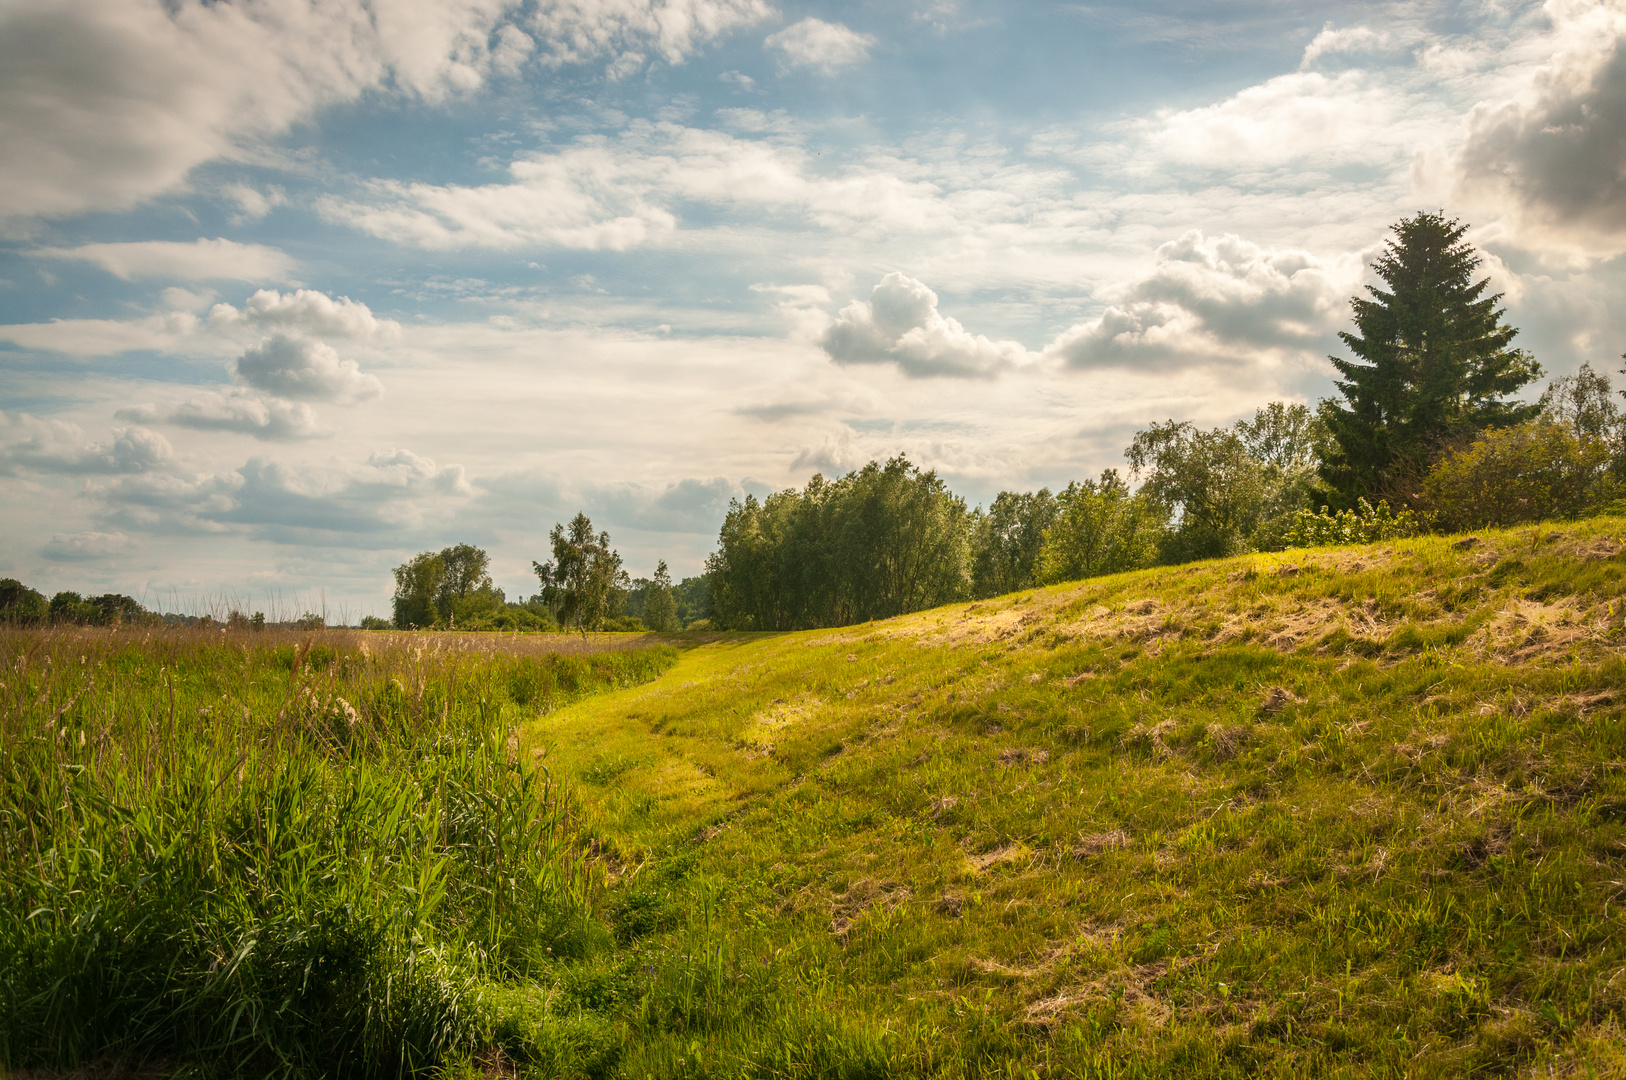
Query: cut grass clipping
[{"x": 308, "y": 859}]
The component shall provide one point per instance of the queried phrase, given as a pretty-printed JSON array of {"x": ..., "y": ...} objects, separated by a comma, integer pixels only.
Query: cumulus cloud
[
  {"x": 56, "y": 446},
  {"x": 1552, "y": 156},
  {"x": 84, "y": 546},
  {"x": 305, "y": 370},
  {"x": 814, "y": 43},
  {"x": 307, "y": 312},
  {"x": 201, "y": 260},
  {"x": 625, "y": 31},
  {"x": 615, "y": 194},
  {"x": 235, "y": 410},
  {"x": 1215, "y": 300},
  {"x": 900, "y": 324}
]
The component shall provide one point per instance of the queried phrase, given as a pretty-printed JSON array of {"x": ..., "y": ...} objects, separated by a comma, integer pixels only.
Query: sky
[{"x": 291, "y": 290}]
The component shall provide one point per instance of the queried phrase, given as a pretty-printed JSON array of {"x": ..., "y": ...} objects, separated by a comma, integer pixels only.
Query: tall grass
[{"x": 300, "y": 856}]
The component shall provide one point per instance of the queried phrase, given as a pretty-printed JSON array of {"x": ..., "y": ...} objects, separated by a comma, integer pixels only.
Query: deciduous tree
[
  {"x": 660, "y": 608},
  {"x": 581, "y": 582}
]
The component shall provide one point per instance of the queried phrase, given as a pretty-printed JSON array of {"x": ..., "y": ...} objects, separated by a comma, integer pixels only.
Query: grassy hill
[{"x": 1338, "y": 812}]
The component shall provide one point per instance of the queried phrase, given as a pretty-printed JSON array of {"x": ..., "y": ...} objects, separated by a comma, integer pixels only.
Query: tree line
[
  {"x": 1426, "y": 433},
  {"x": 21, "y": 605},
  {"x": 582, "y": 587}
]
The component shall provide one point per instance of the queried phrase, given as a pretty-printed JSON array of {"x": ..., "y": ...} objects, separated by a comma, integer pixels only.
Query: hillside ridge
[{"x": 1330, "y": 812}]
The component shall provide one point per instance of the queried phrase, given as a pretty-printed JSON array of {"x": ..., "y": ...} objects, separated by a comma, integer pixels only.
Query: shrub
[
  {"x": 1534, "y": 471},
  {"x": 373, "y": 622},
  {"x": 1365, "y": 524}
]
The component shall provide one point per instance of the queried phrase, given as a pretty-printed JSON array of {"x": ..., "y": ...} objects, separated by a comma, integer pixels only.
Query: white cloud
[
  {"x": 1550, "y": 156},
  {"x": 71, "y": 547},
  {"x": 305, "y": 370},
  {"x": 1214, "y": 300},
  {"x": 900, "y": 324},
  {"x": 252, "y": 203},
  {"x": 1356, "y": 41},
  {"x": 307, "y": 312},
  {"x": 393, "y": 490},
  {"x": 814, "y": 43},
  {"x": 604, "y": 194},
  {"x": 234, "y": 410},
  {"x": 57, "y": 446},
  {"x": 169, "y": 331},
  {"x": 106, "y": 103},
  {"x": 579, "y": 31},
  {"x": 201, "y": 260},
  {"x": 1349, "y": 117}
]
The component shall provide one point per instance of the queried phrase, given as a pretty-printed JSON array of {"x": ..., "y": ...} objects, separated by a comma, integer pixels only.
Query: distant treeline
[
  {"x": 21, "y": 605},
  {"x": 583, "y": 587},
  {"x": 1425, "y": 434}
]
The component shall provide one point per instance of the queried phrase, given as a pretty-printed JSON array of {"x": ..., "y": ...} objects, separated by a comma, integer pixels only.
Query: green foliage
[
  {"x": 449, "y": 589},
  {"x": 1433, "y": 365},
  {"x": 467, "y": 598},
  {"x": 693, "y": 598},
  {"x": 583, "y": 583},
  {"x": 417, "y": 584},
  {"x": 109, "y": 609},
  {"x": 880, "y": 541},
  {"x": 277, "y": 858},
  {"x": 1536, "y": 471},
  {"x": 310, "y": 621},
  {"x": 373, "y": 622},
  {"x": 1228, "y": 490},
  {"x": 1584, "y": 403},
  {"x": 1006, "y": 540},
  {"x": 1365, "y": 524},
  {"x": 20, "y": 605},
  {"x": 660, "y": 607},
  {"x": 1100, "y": 528}
]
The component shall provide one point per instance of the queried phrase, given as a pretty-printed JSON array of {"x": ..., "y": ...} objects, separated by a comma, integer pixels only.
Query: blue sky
[{"x": 290, "y": 291}]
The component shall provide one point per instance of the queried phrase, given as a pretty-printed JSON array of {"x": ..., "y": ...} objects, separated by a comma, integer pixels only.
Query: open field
[{"x": 1340, "y": 812}]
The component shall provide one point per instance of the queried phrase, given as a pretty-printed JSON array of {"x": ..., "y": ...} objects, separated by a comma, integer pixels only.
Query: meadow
[
  {"x": 268, "y": 853},
  {"x": 1334, "y": 812}
]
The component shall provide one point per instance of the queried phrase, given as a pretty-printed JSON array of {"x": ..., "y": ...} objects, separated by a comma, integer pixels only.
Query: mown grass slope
[{"x": 1344, "y": 812}]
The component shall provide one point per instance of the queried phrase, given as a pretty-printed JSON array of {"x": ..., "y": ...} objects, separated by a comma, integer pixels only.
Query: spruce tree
[{"x": 1433, "y": 366}]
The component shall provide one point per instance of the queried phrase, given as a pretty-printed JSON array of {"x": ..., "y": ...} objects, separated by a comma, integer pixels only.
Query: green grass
[
  {"x": 254, "y": 853},
  {"x": 1336, "y": 813},
  {"x": 1343, "y": 812}
]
